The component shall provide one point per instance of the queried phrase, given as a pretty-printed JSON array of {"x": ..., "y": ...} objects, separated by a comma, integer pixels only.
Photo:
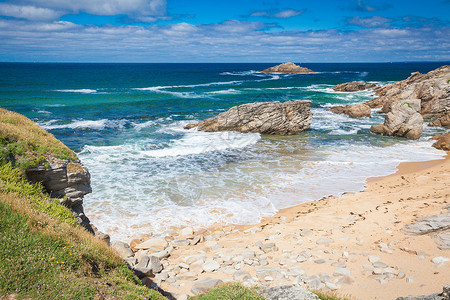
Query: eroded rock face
[
  {"x": 442, "y": 141},
  {"x": 286, "y": 118},
  {"x": 67, "y": 180},
  {"x": 354, "y": 111},
  {"x": 404, "y": 120},
  {"x": 443, "y": 121},
  {"x": 289, "y": 68},
  {"x": 433, "y": 89},
  {"x": 353, "y": 86}
]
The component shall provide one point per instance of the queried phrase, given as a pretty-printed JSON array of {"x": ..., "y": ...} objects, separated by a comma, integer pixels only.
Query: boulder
[
  {"x": 443, "y": 121},
  {"x": 404, "y": 120},
  {"x": 148, "y": 266},
  {"x": 445, "y": 295},
  {"x": 353, "y": 86},
  {"x": 286, "y": 118},
  {"x": 287, "y": 293},
  {"x": 205, "y": 284},
  {"x": 432, "y": 89},
  {"x": 355, "y": 111},
  {"x": 156, "y": 244},
  {"x": 123, "y": 249},
  {"x": 442, "y": 141},
  {"x": 289, "y": 68}
]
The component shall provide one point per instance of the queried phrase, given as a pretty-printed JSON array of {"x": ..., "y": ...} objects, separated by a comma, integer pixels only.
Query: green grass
[
  {"x": 43, "y": 253},
  {"x": 44, "y": 258},
  {"x": 328, "y": 296},
  {"x": 23, "y": 142},
  {"x": 230, "y": 291}
]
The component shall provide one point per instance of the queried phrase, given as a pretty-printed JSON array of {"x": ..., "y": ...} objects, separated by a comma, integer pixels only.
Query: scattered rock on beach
[
  {"x": 404, "y": 120},
  {"x": 123, "y": 249},
  {"x": 205, "y": 284},
  {"x": 445, "y": 295},
  {"x": 355, "y": 111},
  {"x": 285, "y": 118},
  {"x": 289, "y": 68},
  {"x": 353, "y": 86}
]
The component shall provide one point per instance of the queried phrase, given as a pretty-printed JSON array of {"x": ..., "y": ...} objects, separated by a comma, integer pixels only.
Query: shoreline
[{"x": 315, "y": 239}]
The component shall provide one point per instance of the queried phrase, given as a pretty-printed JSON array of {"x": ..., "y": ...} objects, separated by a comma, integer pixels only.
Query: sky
[{"x": 224, "y": 31}]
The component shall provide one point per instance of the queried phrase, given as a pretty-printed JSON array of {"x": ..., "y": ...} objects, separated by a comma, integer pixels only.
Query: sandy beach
[{"x": 352, "y": 245}]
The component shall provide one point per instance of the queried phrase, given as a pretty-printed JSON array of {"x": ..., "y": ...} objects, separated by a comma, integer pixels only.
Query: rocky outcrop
[
  {"x": 404, "y": 120},
  {"x": 433, "y": 89},
  {"x": 445, "y": 295},
  {"x": 289, "y": 68},
  {"x": 442, "y": 141},
  {"x": 67, "y": 180},
  {"x": 355, "y": 111},
  {"x": 443, "y": 121},
  {"x": 286, "y": 118},
  {"x": 353, "y": 86}
]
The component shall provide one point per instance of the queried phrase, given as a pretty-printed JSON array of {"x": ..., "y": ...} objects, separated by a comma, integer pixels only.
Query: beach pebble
[
  {"x": 409, "y": 280},
  {"x": 341, "y": 272},
  {"x": 331, "y": 286},
  {"x": 204, "y": 284},
  {"x": 157, "y": 244},
  {"x": 241, "y": 276},
  {"x": 324, "y": 241},
  {"x": 187, "y": 232},
  {"x": 210, "y": 266},
  {"x": 380, "y": 264},
  {"x": 374, "y": 258},
  {"x": 440, "y": 260},
  {"x": 210, "y": 244}
]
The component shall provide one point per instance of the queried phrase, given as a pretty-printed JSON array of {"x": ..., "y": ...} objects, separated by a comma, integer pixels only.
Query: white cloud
[
  {"x": 288, "y": 13},
  {"x": 368, "y": 22},
  {"x": 283, "y": 14},
  {"x": 28, "y": 12},
  {"x": 143, "y": 10},
  {"x": 227, "y": 41}
]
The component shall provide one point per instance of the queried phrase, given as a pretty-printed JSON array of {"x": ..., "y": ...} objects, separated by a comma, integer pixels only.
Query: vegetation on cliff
[{"x": 43, "y": 253}]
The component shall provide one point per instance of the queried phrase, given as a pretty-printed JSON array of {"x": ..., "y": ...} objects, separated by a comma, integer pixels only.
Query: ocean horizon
[{"x": 125, "y": 122}]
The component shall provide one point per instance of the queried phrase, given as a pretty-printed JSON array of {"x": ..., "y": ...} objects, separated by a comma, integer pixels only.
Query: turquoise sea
[{"x": 125, "y": 122}]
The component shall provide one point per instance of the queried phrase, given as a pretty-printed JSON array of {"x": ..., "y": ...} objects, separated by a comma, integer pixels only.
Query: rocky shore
[
  {"x": 391, "y": 240},
  {"x": 406, "y": 103}
]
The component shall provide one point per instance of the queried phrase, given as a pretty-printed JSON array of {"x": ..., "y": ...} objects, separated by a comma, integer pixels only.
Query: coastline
[{"x": 338, "y": 233}]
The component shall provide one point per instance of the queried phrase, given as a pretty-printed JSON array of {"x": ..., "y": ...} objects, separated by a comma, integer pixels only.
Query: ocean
[{"x": 149, "y": 175}]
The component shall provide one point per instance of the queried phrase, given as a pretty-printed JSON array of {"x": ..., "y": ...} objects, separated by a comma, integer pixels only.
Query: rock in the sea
[
  {"x": 404, "y": 120},
  {"x": 443, "y": 121},
  {"x": 289, "y": 68},
  {"x": 355, "y": 111},
  {"x": 432, "y": 88},
  {"x": 442, "y": 141},
  {"x": 353, "y": 86},
  {"x": 205, "y": 284},
  {"x": 286, "y": 118},
  {"x": 287, "y": 293}
]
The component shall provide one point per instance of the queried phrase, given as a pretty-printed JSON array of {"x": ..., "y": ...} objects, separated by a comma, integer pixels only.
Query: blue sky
[{"x": 224, "y": 31}]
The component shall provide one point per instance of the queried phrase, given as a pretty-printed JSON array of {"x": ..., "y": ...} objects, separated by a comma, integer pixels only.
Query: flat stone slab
[{"x": 287, "y": 293}]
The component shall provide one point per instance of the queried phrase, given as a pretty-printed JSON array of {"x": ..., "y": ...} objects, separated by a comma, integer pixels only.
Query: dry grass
[{"x": 25, "y": 143}]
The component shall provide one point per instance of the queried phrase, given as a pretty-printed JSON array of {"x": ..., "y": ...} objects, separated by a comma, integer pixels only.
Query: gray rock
[
  {"x": 287, "y": 293},
  {"x": 211, "y": 266},
  {"x": 204, "y": 284},
  {"x": 352, "y": 86},
  {"x": 291, "y": 117},
  {"x": 403, "y": 120},
  {"x": 123, "y": 249},
  {"x": 341, "y": 272},
  {"x": 241, "y": 276},
  {"x": 445, "y": 295},
  {"x": 148, "y": 266},
  {"x": 268, "y": 247}
]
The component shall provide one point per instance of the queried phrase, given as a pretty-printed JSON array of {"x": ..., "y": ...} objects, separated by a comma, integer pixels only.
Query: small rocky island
[
  {"x": 288, "y": 68},
  {"x": 286, "y": 118}
]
